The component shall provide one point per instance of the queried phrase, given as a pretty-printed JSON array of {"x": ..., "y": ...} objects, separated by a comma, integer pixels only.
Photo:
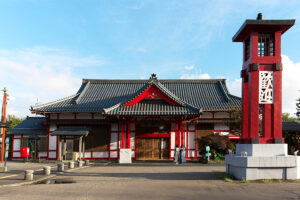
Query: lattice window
[
  {"x": 265, "y": 44},
  {"x": 247, "y": 49},
  {"x": 266, "y": 87}
]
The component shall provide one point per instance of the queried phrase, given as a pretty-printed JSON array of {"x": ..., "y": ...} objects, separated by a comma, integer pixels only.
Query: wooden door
[{"x": 152, "y": 148}]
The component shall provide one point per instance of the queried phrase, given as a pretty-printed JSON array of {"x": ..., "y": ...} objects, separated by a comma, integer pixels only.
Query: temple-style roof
[
  {"x": 291, "y": 126},
  {"x": 261, "y": 24},
  {"x": 111, "y": 97},
  {"x": 30, "y": 126}
]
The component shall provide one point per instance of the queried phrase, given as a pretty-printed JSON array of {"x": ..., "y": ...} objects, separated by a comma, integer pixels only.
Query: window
[
  {"x": 247, "y": 49},
  {"x": 265, "y": 44}
]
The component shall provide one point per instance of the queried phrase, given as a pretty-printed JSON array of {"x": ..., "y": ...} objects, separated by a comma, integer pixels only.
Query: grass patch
[
  {"x": 224, "y": 176},
  {"x": 244, "y": 181},
  {"x": 216, "y": 161}
]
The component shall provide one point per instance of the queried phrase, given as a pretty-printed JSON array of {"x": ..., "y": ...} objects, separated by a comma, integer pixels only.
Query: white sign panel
[{"x": 266, "y": 87}]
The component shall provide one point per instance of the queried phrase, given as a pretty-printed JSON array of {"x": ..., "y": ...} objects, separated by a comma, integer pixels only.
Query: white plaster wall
[
  {"x": 43, "y": 154},
  {"x": 52, "y": 154},
  {"x": 114, "y": 141},
  {"x": 191, "y": 153},
  {"x": 191, "y": 140},
  {"x": 16, "y": 154},
  {"x": 221, "y": 115},
  {"x": 87, "y": 154},
  {"x": 84, "y": 115},
  {"x": 66, "y": 116},
  {"x": 100, "y": 154},
  {"x": 172, "y": 140},
  {"x": 207, "y": 115},
  {"x": 53, "y": 116},
  {"x": 221, "y": 126},
  {"x": 113, "y": 154},
  {"x": 17, "y": 144},
  {"x": 52, "y": 142},
  {"x": 132, "y": 140}
]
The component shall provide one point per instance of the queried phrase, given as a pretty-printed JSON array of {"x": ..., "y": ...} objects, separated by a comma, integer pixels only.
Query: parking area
[{"x": 150, "y": 181}]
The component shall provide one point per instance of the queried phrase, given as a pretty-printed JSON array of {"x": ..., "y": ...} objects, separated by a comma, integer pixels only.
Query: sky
[{"x": 48, "y": 46}]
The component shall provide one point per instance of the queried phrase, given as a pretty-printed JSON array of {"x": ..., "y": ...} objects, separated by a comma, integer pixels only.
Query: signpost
[{"x": 208, "y": 154}]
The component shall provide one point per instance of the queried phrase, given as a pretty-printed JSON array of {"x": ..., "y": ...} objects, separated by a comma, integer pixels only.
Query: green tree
[
  {"x": 286, "y": 117},
  {"x": 13, "y": 121}
]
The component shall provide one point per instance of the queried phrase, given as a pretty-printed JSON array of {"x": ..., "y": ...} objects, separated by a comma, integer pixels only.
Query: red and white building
[{"x": 146, "y": 118}]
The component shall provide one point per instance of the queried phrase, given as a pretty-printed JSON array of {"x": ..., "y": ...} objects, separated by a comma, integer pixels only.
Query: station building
[{"x": 147, "y": 118}]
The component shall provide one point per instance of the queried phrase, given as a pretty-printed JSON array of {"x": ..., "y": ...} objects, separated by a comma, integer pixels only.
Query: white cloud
[
  {"x": 195, "y": 76},
  {"x": 39, "y": 73},
  {"x": 290, "y": 84},
  {"x": 189, "y": 67},
  {"x": 235, "y": 87}
]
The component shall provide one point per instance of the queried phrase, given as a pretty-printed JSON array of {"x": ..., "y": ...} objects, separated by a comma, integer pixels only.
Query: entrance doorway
[
  {"x": 153, "y": 148},
  {"x": 69, "y": 150}
]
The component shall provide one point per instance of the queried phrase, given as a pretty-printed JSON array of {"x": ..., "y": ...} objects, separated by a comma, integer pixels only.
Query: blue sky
[{"x": 47, "y": 47}]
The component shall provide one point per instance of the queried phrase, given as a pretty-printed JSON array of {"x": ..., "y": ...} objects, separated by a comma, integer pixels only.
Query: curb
[{"x": 40, "y": 179}]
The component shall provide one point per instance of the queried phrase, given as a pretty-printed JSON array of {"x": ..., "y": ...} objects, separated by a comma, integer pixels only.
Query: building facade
[{"x": 145, "y": 118}]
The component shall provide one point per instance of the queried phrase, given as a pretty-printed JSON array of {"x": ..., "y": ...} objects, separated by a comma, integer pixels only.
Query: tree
[
  {"x": 13, "y": 121},
  {"x": 286, "y": 117},
  {"x": 298, "y": 108}
]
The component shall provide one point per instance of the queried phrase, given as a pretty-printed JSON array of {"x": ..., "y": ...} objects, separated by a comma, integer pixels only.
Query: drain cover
[{"x": 56, "y": 181}]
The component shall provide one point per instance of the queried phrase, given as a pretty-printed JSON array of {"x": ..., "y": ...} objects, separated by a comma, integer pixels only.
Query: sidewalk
[{"x": 15, "y": 173}]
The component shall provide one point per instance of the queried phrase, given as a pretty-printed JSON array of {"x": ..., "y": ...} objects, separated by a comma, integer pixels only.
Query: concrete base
[
  {"x": 125, "y": 156},
  {"x": 263, "y": 161}
]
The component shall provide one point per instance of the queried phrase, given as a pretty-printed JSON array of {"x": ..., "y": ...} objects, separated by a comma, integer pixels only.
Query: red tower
[{"x": 262, "y": 78}]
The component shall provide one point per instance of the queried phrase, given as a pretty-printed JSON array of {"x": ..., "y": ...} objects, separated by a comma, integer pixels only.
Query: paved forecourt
[{"x": 190, "y": 181}]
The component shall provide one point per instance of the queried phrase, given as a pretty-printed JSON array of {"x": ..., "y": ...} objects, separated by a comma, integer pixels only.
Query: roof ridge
[
  {"x": 79, "y": 97},
  {"x": 147, "y": 80},
  {"x": 224, "y": 92},
  {"x": 53, "y": 102}
]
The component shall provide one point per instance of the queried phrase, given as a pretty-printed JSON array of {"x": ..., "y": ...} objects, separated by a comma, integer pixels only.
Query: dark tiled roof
[
  {"x": 4, "y": 125},
  {"x": 71, "y": 131},
  {"x": 290, "y": 126},
  {"x": 31, "y": 125},
  {"x": 108, "y": 96}
]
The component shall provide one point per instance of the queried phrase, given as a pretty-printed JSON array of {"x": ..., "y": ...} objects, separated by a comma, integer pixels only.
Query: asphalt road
[{"x": 150, "y": 182}]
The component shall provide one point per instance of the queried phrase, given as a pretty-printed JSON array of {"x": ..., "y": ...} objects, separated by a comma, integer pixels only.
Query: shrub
[{"x": 219, "y": 145}]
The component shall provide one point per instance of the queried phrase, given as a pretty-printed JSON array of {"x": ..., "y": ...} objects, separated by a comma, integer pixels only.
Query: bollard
[
  {"x": 71, "y": 165},
  {"x": 80, "y": 163},
  {"x": 28, "y": 176},
  {"x": 47, "y": 170},
  {"x": 60, "y": 167},
  {"x": 86, "y": 162}
]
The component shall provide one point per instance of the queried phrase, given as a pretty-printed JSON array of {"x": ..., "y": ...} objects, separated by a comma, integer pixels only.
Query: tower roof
[{"x": 260, "y": 24}]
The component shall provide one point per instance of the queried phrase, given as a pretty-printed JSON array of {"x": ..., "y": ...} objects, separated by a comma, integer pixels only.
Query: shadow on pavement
[{"x": 153, "y": 176}]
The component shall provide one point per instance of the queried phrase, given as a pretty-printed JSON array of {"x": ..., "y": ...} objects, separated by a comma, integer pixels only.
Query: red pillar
[
  {"x": 122, "y": 135},
  {"x": 181, "y": 134},
  {"x": 4, "y": 120},
  {"x": 176, "y": 134},
  {"x": 276, "y": 107},
  {"x": 266, "y": 123},
  {"x": 245, "y": 109},
  {"x": 128, "y": 136},
  {"x": 253, "y": 120}
]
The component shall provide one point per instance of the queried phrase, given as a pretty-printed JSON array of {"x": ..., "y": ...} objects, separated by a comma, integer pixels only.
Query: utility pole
[{"x": 3, "y": 119}]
